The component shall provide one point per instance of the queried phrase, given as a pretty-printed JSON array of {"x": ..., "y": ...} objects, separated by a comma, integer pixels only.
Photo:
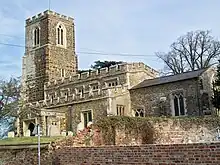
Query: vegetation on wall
[
  {"x": 143, "y": 127},
  {"x": 131, "y": 125}
]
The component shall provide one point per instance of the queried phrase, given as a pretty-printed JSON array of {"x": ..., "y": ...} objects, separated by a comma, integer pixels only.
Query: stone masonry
[
  {"x": 43, "y": 62},
  {"x": 157, "y": 97},
  {"x": 61, "y": 100},
  {"x": 98, "y": 91},
  {"x": 64, "y": 100}
]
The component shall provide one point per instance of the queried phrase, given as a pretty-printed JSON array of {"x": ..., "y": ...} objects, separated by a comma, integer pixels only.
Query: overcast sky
[{"x": 110, "y": 26}]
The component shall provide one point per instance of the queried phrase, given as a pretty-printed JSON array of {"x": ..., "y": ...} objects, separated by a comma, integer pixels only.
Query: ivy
[
  {"x": 144, "y": 126},
  {"x": 135, "y": 125}
]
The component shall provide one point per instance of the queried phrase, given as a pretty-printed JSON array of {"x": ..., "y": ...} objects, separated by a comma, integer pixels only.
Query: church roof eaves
[{"x": 169, "y": 79}]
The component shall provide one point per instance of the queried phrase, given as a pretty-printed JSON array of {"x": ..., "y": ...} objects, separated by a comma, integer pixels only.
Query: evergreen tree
[
  {"x": 100, "y": 64},
  {"x": 216, "y": 89},
  {"x": 103, "y": 64}
]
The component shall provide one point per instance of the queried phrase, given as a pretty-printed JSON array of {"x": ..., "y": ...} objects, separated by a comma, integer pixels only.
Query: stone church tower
[{"x": 49, "y": 53}]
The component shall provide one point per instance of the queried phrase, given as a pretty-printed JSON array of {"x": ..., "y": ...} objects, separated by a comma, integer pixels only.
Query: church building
[{"x": 60, "y": 99}]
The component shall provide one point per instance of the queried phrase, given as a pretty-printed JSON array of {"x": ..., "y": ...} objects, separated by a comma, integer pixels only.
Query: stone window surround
[
  {"x": 62, "y": 72},
  {"x": 82, "y": 115},
  {"x": 64, "y": 35},
  {"x": 91, "y": 85},
  {"x": 52, "y": 96},
  {"x": 65, "y": 92},
  {"x": 179, "y": 99},
  {"x": 137, "y": 108},
  {"x": 107, "y": 81},
  {"x": 120, "y": 110},
  {"x": 83, "y": 87},
  {"x": 112, "y": 84},
  {"x": 79, "y": 92},
  {"x": 78, "y": 89},
  {"x": 38, "y": 36},
  {"x": 172, "y": 94}
]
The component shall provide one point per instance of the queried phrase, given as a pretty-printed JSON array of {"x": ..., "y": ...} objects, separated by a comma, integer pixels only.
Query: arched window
[
  {"x": 139, "y": 113},
  {"x": 36, "y": 36},
  {"x": 179, "y": 108},
  {"x": 61, "y": 35},
  {"x": 181, "y": 102},
  {"x": 176, "y": 106}
]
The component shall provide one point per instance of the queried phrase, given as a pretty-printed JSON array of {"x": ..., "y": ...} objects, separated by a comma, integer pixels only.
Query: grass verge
[{"x": 28, "y": 140}]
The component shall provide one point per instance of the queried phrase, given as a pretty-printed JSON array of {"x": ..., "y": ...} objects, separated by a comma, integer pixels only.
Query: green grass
[{"x": 27, "y": 140}]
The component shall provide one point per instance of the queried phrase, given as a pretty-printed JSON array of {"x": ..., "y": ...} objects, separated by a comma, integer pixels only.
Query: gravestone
[
  {"x": 54, "y": 130},
  {"x": 27, "y": 133},
  {"x": 69, "y": 133},
  {"x": 11, "y": 134},
  {"x": 63, "y": 133}
]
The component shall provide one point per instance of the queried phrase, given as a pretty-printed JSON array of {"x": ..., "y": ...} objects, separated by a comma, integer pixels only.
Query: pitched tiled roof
[{"x": 169, "y": 79}]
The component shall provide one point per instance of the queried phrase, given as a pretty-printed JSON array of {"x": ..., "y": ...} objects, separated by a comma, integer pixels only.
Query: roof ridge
[
  {"x": 184, "y": 72},
  {"x": 170, "y": 78}
]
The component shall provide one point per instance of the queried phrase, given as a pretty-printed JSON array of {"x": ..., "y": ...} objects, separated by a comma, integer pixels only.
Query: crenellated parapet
[
  {"x": 77, "y": 98},
  {"x": 45, "y": 14},
  {"x": 103, "y": 72}
]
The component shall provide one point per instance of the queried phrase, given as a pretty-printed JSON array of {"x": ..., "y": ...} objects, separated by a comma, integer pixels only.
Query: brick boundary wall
[{"x": 175, "y": 154}]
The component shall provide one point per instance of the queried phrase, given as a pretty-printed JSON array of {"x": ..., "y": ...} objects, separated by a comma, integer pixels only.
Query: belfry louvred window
[
  {"x": 60, "y": 35},
  {"x": 36, "y": 36}
]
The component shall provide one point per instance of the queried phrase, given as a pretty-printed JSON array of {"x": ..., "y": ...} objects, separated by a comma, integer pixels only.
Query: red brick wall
[
  {"x": 24, "y": 156},
  {"x": 207, "y": 154},
  {"x": 175, "y": 154}
]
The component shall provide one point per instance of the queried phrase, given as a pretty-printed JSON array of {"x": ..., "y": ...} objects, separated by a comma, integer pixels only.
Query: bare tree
[{"x": 193, "y": 51}]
